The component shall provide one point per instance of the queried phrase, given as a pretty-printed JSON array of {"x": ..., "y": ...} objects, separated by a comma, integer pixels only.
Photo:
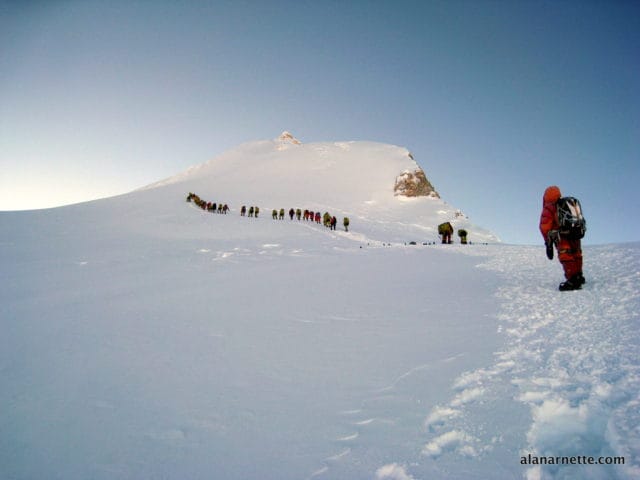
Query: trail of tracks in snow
[
  {"x": 571, "y": 358},
  {"x": 565, "y": 383}
]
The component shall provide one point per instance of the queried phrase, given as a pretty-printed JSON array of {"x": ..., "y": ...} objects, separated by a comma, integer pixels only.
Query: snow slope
[
  {"x": 144, "y": 338},
  {"x": 353, "y": 179}
]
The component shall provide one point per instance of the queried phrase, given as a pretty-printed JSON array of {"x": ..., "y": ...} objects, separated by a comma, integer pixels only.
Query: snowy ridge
[{"x": 354, "y": 179}]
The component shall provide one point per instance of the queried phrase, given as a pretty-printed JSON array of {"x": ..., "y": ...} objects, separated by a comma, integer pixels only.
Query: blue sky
[{"x": 496, "y": 99}]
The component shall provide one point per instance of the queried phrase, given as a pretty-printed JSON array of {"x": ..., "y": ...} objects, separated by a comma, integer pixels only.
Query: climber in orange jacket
[{"x": 569, "y": 250}]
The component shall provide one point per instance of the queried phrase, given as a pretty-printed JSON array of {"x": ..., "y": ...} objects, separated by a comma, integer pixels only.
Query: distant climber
[
  {"x": 462, "y": 233},
  {"x": 281, "y": 216},
  {"x": 345, "y": 222},
  {"x": 292, "y": 212},
  {"x": 445, "y": 230},
  {"x": 274, "y": 214},
  {"x": 243, "y": 210}
]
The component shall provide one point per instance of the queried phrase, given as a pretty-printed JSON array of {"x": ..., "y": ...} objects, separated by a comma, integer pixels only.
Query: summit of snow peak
[
  {"x": 375, "y": 184},
  {"x": 288, "y": 138}
]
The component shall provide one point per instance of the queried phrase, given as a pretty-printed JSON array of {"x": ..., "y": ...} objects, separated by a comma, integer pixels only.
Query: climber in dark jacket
[{"x": 445, "y": 230}]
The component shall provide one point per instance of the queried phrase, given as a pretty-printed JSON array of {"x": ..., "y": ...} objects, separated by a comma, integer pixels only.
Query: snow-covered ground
[
  {"x": 565, "y": 382},
  {"x": 144, "y": 338}
]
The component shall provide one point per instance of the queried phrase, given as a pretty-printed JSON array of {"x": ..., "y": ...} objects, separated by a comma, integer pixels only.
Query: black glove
[{"x": 549, "y": 246}]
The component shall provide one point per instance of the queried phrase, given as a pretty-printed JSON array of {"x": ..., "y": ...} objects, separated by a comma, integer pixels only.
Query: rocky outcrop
[
  {"x": 286, "y": 140},
  {"x": 414, "y": 184},
  {"x": 286, "y": 137}
]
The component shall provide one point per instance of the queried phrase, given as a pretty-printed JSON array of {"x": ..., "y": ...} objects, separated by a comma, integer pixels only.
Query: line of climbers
[
  {"x": 208, "y": 206},
  {"x": 445, "y": 230},
  {"x": 253, "y": 211},
  {"x": 327, "y": 219}
]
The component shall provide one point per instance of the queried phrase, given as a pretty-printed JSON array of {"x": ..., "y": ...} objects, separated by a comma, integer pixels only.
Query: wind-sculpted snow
[{"x": 572, "y": 359}]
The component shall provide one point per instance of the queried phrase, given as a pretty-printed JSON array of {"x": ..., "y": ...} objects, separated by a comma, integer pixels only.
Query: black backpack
[{"x": 570, "y": 219}]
